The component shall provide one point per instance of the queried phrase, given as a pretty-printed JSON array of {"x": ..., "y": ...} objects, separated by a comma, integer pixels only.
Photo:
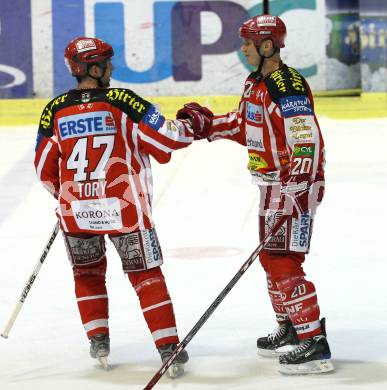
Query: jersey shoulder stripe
[
  {"x": 128, "y": 102},
  {"x": 285, "y": 82},
  {"x": 46, "y": 123}
]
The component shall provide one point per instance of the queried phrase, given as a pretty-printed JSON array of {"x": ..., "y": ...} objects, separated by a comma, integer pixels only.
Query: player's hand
[
  {"x": 200, "y": 118},
  {"x": 295, "y": 194}
]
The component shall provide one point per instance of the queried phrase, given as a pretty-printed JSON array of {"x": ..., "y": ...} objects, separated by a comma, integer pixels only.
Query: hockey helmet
[
  {"x": 82, "y": 52},
  {"x": 263, "y": 27}
]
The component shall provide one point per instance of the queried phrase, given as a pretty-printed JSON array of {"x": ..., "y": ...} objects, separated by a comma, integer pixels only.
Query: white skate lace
[
  {"x": 302, "y": 347},
  {"x": 278, "y": 333}
]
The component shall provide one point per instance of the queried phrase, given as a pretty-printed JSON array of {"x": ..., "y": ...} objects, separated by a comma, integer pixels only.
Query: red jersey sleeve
[
  {"x": 47, "y": 155},
  {"x": 229, "y": 126},
  {"x": 159, "y": 137}
]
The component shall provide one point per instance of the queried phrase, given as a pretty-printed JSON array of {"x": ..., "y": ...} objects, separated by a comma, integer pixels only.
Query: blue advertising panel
[
  {"x": 344, "y": 39},
  {"x": 68, "y": 22},
  {"x": 373, "y": 7},
  {"x": 16, "y": 49},
  {"x": 373, "y": 19}
]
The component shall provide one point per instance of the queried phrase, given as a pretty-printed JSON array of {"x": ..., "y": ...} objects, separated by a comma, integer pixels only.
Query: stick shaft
[
  {"x": 29, "y": 283},
  {"x": 214, "y": 305}
]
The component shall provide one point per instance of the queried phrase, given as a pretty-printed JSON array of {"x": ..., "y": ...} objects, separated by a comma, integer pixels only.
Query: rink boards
[{"x": 368, "y": 105}]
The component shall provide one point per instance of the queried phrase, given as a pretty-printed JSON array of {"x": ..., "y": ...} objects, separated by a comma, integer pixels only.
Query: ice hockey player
[
  {"x": 92, "y": 154},
  {"x": 277, "y": 124}
]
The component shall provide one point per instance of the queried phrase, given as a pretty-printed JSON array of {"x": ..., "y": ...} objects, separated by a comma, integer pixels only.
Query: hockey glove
[
  {"x": 295, "y": 194},
  {"x": 200, "y": 118}
]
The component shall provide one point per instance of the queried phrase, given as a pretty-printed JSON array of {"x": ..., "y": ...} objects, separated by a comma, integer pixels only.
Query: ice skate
[
  {"x": 283, "y": 339},
  {"x": 312, "y": 356},
  {"x": 100, "y": 348},
  {"x": 177, "y": 367}
]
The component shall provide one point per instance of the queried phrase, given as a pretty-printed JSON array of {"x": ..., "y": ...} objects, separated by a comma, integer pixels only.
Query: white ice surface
[{"x": 206, "y": 214}]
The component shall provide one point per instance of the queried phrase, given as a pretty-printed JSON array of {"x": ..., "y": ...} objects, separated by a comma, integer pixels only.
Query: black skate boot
[
  {"x": 177, "y": 367},
  {"x": 100, "y": 348},
  {"x": 283, "y": 339},
  {"x": 312, "y": 356}
]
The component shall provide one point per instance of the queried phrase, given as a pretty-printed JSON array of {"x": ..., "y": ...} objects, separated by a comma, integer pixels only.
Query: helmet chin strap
[
  {"x": 102, "y": 66},
  {"x": 263, "y": 58}
]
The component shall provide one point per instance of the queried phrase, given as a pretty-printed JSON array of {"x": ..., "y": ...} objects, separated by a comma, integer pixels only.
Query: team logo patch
[
  {"x": 153, "y": 118},
  {"x": 278, "y": 241},
  {"x": 295, "y": 105},
  {"x": 264, "y": 21},
  {"x": 254, "y": 113},
  {"x": 85, "y": 45},
  {"x": 90, "y": 123}
]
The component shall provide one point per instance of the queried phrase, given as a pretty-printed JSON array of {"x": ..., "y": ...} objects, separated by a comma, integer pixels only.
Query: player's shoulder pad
[
  {"x": 128, "y": 102},
  {"x": 46, "y": 123},
  {"x": 285, "y": 82},
  {"x": 289, "y": 90}
]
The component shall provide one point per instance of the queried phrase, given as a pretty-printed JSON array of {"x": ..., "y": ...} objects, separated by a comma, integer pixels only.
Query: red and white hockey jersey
[
  {"x": 277, "y": 123},
  {"x": 92, "y": 153}
]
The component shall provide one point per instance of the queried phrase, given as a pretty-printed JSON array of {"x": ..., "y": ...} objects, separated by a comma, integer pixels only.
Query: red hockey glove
[
  {"x": 295, "y": 194},
  {"x": 200, "y": 118}
]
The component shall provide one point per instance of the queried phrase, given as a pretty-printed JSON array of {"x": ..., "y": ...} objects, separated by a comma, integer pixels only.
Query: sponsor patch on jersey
[
  {"x": 254, "y": 138},
  {"x": 255, "y": 143},
  {"x": 303, "y": 150},
  {"x": 278, "y": 241},
  {"x": 295, "y": 105},
  {"x": 88, "y": 123},
  {"x": 256, "y": 162},
  {"x": 151, "y": 246},
  {"x": 97, "y": 214},
  {"x": 300, "y": 233},
  {"x": 153, "y": 118},
  {"x": 302, "y": 136},
  {"x": 301, "y": 128},
  {"x": 299, "y": 123},
  {"x": 254, "y": 113}
]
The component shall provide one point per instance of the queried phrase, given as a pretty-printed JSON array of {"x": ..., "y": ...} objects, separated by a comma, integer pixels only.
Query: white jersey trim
[
  {"x": 162, "y": 333},
  {"x": 155, "y": 143},
  {"x": 308, "y": 327},
  {"x": 42, "y": 159},
  {"x": 157, "y": 305},
  {"x": 100, "y": 323},
  {"x": 91, "y": 297},
  {"x": 273, "y": 143},
  {"x": 137, "y": 203},
  {"x": 299, "y": 299},
  {"x": 144, "y": 179},
  {"x": 222, "y": 134}
]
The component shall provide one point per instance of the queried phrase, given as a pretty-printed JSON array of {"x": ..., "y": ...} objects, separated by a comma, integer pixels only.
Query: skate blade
[
  {"x": 274, "y": 353},
  {"x": 309, "y": 368},
  {"x": 104, "y": 363},
  {"x": 266, "y": 353},
  {"x": 176, "y": 370}
]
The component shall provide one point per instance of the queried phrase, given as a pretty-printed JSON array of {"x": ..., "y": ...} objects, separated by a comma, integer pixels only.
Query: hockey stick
[
  {"x": 29, "y": 283},
  {"x": 214, "y": 305}
]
